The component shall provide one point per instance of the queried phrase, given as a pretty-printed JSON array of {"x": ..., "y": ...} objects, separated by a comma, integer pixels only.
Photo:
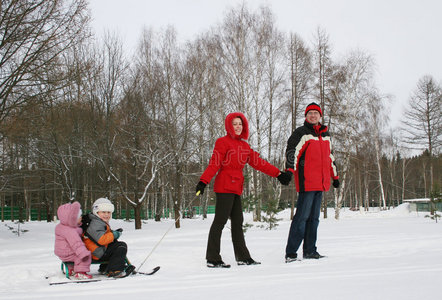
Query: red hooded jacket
[{"x": 229, "y": 157}]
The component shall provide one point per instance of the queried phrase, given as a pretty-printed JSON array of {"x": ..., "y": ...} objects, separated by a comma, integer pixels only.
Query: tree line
[{"x": 80, "y": 119}]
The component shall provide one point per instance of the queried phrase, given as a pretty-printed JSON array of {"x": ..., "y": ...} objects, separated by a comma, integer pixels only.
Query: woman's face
[{"x": 237, "y": 125}]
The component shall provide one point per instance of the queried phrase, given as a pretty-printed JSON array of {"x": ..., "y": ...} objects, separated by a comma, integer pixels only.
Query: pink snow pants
[{"x": 80, "y": 264}]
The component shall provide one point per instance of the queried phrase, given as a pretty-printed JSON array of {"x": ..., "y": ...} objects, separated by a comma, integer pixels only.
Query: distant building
[{"x": 422, "y": 204}]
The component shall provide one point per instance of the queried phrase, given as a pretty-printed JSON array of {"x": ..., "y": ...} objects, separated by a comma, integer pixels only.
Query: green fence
[
  {"x": 196, "y": 210},
  {"x": 425, "y": 206},
  {"x": 15, "y": 211}
]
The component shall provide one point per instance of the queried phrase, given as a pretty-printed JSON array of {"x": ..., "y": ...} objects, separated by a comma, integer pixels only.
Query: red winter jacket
[
  {"x": 229, "y": 157},
  {"x": 309, "y": 157}
]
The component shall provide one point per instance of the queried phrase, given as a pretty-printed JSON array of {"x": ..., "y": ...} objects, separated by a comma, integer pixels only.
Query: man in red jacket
[
  {"x": 309, "y": 158},
  {"x": 229, "y": 157}
]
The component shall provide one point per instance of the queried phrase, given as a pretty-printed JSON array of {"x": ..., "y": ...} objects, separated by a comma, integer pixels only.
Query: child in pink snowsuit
[{"x": 68, "y": 243}]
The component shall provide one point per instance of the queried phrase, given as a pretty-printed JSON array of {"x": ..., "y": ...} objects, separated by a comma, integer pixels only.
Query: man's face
[{"x": 313, "y": 117}]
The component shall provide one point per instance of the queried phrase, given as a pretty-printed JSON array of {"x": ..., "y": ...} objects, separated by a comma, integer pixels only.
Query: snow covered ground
[{"x": 377, "y": 255}]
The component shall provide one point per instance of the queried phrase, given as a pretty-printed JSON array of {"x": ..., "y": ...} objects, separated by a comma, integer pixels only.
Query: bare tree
[
  {"x": 33, "y": 36},
  {"x": 300, "y": 63},
  {"x": 210, "y": 104},
  {"x": 349, "y": 92},
  {"x": 322, "y": 72},
  {"x": 260, "y": 39},
  {"x": 235, "y": 42},
  {"x": 137, "y": 159},
  {"x": 322, "y": 66},
  {"x": 377, "y": 117},
  {"x": 422, "y": 123},
  {"x": 269, "y": 93}
]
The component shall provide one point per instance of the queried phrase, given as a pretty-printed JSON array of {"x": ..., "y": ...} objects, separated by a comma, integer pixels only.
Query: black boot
[
  {"x": 248, "y": 261},
  {"x": 314, "y": 255},
  {"x": 129, "y": 269},
  {"x": 217, "y": 264},
  {"x": 291, "y": 257},
  {"x": 102, "y": 269}
]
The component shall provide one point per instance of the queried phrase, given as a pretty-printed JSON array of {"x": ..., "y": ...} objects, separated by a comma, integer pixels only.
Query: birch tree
[
  {"x": 375, "y": 123},
  {"x": 322, "y": 72},
  {"x": 322, "y": 66},
  {"x": 349, "y": 94},
  {"x": 271, "y": 97},
  {"x": 235, "y": 34},
  {"x": 300, "y": 65},
  {"x": 210, "y": 101},
  {"x": 260, "y": 32}
]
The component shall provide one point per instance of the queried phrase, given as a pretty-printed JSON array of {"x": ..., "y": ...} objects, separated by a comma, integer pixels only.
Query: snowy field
[{"x": 377, "y": 255}]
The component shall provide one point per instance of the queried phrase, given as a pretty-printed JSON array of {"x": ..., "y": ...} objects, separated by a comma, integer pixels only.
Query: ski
[
  {"x": 98, "y": 278},
  {"x": 67, "y": 281},
  {"x": 153, "y": 271}
]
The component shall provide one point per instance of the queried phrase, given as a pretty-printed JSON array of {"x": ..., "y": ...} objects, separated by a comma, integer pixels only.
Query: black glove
[
  {"x": 200, "y": 187},
  {"x": 285, "y": 177},
  {"x": 335, "y": 183}
]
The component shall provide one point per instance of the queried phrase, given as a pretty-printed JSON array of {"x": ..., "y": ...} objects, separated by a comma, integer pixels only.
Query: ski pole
[{"x": 156, "y": 245}]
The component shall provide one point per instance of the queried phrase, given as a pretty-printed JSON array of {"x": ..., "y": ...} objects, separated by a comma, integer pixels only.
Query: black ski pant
[
  {"x": 227, "y": 206},
  {"x": 115, "y": 255}
]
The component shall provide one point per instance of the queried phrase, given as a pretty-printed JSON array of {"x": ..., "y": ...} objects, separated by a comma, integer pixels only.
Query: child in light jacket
[
  {"x": 68, "y": 243},
  {"x": 103, "y": 242}
]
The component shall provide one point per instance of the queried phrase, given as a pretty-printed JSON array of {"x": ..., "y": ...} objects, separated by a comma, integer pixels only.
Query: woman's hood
[{"x": 229, "y": 126}]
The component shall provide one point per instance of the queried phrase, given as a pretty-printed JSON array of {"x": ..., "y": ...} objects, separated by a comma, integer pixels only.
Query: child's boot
[
  {"x": 82, "y": 275},
  {"x": 71, "y": 269}
]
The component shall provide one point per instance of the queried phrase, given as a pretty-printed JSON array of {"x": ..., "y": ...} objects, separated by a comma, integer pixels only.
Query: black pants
[
  {"x": 227, "y": 205},
  {"x": 115, "y": 255}
]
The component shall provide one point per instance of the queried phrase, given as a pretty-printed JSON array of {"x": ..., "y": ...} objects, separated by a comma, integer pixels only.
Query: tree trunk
[
  {"x": 378, "y": 165},
  {"x": 177, "y": 196},
  {"x": 12, "y": 207},
  {"x": 293, "y": 196},
  {"x": 324, "y": 206},
  {"x": 3, "y": 207},
  {"x": 339, "y": 194},
  {"x": 257, "y": 207},
  {"x": 424, "y": 173},
  {"x": 158, "y": 206},
  {"x": 137, "y": 213}
]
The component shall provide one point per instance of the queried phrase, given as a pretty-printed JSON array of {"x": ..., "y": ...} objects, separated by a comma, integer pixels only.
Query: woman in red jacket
[{"x": 229, "y": 157}]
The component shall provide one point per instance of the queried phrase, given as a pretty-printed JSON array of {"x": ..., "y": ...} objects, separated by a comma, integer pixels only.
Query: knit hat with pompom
[{"x": 313, "y": 106}]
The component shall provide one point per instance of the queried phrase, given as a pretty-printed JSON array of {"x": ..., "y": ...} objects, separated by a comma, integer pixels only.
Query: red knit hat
[{"x": 313, "y": 106}]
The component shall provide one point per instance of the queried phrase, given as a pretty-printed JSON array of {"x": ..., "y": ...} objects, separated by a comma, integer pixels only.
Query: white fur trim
[{"x": 102, "y": 204}]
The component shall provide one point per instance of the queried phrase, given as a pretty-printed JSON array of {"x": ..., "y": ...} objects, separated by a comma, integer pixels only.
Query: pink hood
[
  {"x": 68, "y": 214},
  {"x": 229, "y": 127}
]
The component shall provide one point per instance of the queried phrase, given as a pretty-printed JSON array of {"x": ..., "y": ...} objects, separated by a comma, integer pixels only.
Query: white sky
[{"x": 403, "y": 36}]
